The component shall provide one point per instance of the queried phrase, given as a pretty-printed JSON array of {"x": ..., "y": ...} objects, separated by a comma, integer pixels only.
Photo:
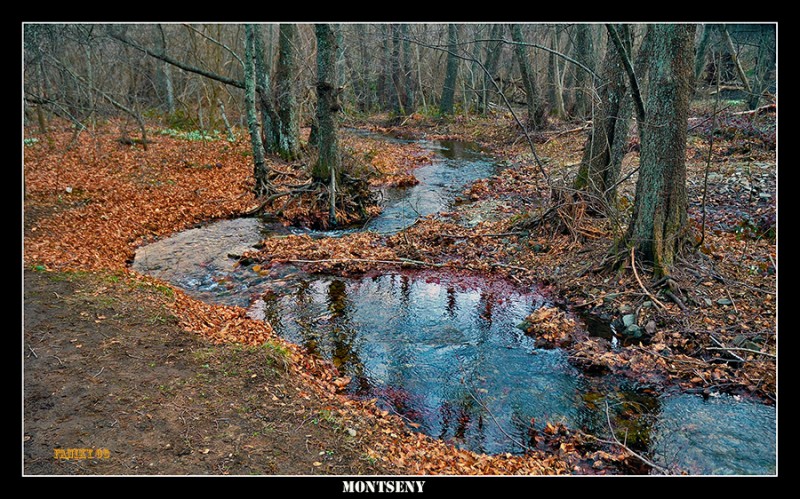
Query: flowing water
[{"x": 444, "y": 351}]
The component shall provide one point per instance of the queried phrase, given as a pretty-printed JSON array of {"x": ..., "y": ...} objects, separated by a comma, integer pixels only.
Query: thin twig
[
  {"x": 401, "y": 261},
  {"x": 729, "y": 349},
  {"x": 732, "y": 302},
  {"x": 723, "y": 347},
  {"x": 99, "y": 372},
  {"x": 636, "y": 274}
]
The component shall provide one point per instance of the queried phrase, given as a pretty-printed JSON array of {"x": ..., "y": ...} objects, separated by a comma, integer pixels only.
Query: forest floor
[{"x": 109, "y": 363}]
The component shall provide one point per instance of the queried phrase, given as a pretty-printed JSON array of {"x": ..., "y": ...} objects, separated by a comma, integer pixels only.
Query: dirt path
[{"x": 106, "y": 367}]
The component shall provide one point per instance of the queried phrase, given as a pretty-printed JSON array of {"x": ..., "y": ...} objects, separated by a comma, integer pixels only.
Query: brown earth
[{"x": 107, "y": 367}]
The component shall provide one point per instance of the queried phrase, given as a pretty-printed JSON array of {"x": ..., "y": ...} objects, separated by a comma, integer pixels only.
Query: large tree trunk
[
  {"x": 451, "y": 73},
  {"x": 533, "y": 100},
  {"x": 260, "y": 170},
  {"x": 288, "y": 129},
  {"x": 659, "y": 224},
  {"x": 328, "y": 166}
]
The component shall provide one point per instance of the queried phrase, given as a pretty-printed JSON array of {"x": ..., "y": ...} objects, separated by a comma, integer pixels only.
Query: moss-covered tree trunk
[
  {"x": 451, "y": 73},
  {"x": 328, "y": 166},
  {"x": 288, "y": 129},
  {"x": 659, "y": 223},
  {"x": 260, "y": 170},
  {"x": 533, "y": 99}
]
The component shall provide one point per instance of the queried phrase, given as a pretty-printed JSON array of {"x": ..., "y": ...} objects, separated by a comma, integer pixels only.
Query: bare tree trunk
[
  {"x": 288, "y": 126},
  {"x": 700, "y": 56},
  {"x": 269, "y": 116},
  {"x": 164, "y": 73},
  {"x": 765, "y": 64},
  {"x": 397, "y": 85},
  {"x": 451, "y": 73},
  {"x": 260, "y": 171},
  {"x": 556, "y": 92},
  {"x": 659, "y": 224},
  {"x": 533, "y": 100},
  {"x": 493, "y": 52},
  {"x": 328, "y": 166},
  {"x": 408, "y": 71},
  {"x": 736, "y": 62},
  {"x": 584, "y": 53}
]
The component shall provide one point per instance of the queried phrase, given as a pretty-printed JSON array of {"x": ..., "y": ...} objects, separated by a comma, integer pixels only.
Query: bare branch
[
  {"x": 626, "y": 62},
  {"x": 169, "y": 60},
  {"x": 216, "y": 42}
]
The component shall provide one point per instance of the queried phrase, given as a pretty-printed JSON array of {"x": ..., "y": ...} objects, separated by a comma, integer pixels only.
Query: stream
[{"x": 444, "y": 350}]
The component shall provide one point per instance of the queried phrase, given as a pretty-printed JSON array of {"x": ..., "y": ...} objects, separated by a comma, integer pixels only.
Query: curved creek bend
[{"x": 444, "y": 351}]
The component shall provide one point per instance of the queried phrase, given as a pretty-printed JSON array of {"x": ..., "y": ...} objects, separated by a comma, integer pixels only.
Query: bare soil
[{"x": 107, "y": 367}]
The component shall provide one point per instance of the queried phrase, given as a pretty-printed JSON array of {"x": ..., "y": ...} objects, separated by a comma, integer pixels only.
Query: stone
[
  {"x": 647, "y": 304},
  {"x": 351, "y": 432},
  {"x": 625, "y": 309},
  {"x": 724, "y": 301},
  {"x": 708, "y": 302},
  {"x": 628, "y": 320},
  {"x": 633, "y": 331},
  {"x": 650, "y": 327}
]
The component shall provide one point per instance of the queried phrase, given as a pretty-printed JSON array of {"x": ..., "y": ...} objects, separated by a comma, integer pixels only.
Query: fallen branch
[
  {"x": 567, "y": 132},
  {"x": 401, "y": 261},
  {"x": 675, "y": 299},
  {"x": 723, "y": 347},
  {"x": 636, "y": 274},
  {"x": 763, "y": 109},
  {"x": 737, "y": 349},
  {"x": 502, "y": 234}
]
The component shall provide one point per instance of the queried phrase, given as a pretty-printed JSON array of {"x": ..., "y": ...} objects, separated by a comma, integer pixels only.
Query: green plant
[{"x": 30, "y": 141}]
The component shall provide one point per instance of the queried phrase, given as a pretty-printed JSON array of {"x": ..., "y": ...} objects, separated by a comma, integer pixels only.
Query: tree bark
[
  {"x": 260, "y": 170},
  {"x": 659, "y": 224},
  {"x": 493, "y": 51},
  {"x": 584, "y": 53},
  {"x": 602, "y": 157},
  {"x": 288, "y": 130},
  {"x": 556, "y": 92},
  {"x": 451, "y": 73},
  {"x": 765, "y": 65},
  {"x": 397, "y": 87},
  {"x": 533, "y": 101},
  {"x": 328, "y": 166},
  {"x": 269, "y": 116},
  {"x": 700, "y": 55},
  {"x": 408, "y": 71}
]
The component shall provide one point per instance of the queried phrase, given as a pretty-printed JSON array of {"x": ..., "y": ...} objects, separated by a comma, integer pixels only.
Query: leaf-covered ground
[{"x": 711, "y": 328}]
